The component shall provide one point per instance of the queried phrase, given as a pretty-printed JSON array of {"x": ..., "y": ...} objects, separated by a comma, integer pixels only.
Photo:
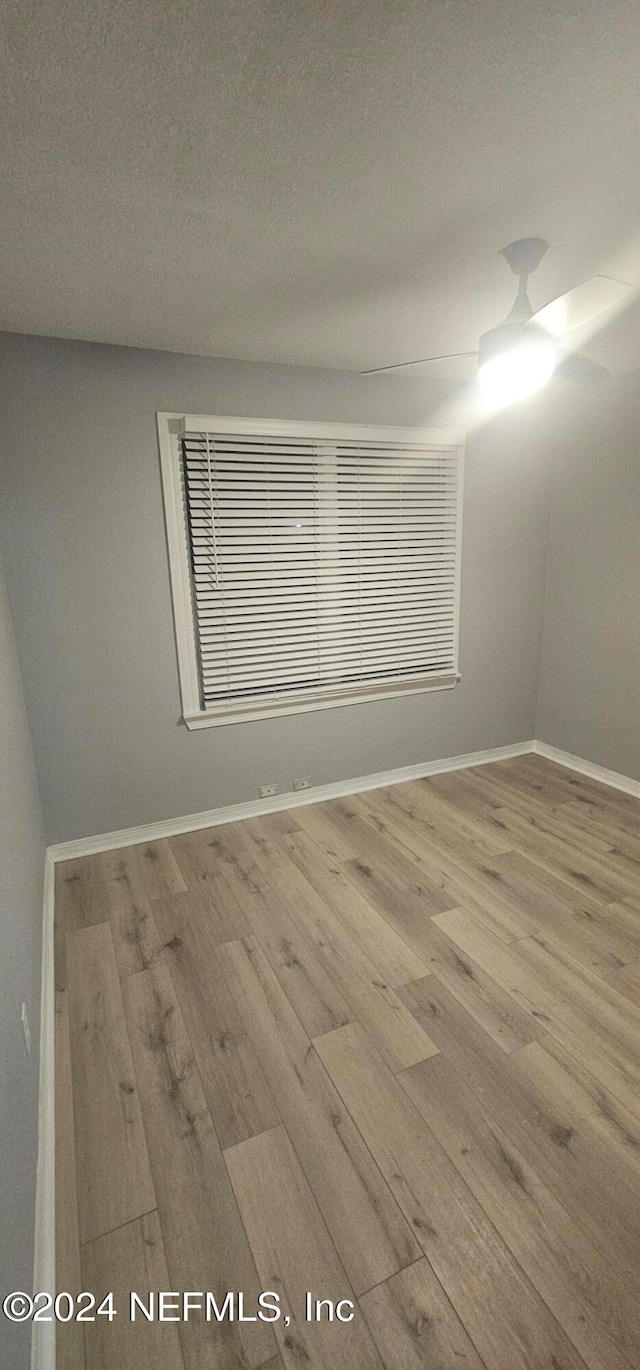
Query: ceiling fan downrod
[{"x": 523, "y": 256}]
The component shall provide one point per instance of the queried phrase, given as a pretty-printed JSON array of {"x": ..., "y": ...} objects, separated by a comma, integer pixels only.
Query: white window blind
[{"x": 322, "y": 568}]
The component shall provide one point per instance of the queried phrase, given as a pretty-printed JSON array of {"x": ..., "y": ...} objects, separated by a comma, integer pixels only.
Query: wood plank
[
  {"x": 79, "y": 893},
  {"x": 390, "y": 880},
  {"x": 275, "y": 826},
  {"x": 79, "y": 902},
  {"x": 559, "y": 912},
  {"x": 615, "y": 927},
  {"x": 204, "y": 1240},
  {"x": 405, "y": 909},
  {"x": 114, "y": 1179},
  {"x": 590, "y": 993},
  {"x": 610, "y": 809},
  {"x": 475, "y": 1056},
  {"x": 130, "y": 1259},
  {"x": 581, "y": 1011},
  {"x": 294, "y": 1253},
  {"x": 556, "y": 810},
  {"x": 264, "y": 840},
  {"x": 499, "y": 961},
  {"x": 135, "y": 935},
  {"x": 204, "y": 872},
  {"x": 316, "y": 1000},
  {"x": 465, "y": 790},
  {"x": 160, "y": 870},
  {"x": 414, "y": 1325},
  {"x": 570, "y": 1157},
  {"x": 388, "y": 952},
  {"x": 222, "y": 847},
  {"x": 215, "y": 904},
  {"x": 434, "y": 846},
  {"x": 69, "y": 1336},
  {"x": 532, "y": 806},
  {"x": 597, "y": 1113},
  {"x": 599, "y": 826},
  {"x": 318, "y": 820},
  {"x": 370, "y": 998},
  {"x": 554, "y": 1084},
  {"x": 596, "y": 874},
  {"x": 547, "y": 782},
  {"x": 238, "y": 1094},
  {"x": 627, "y": 981},
  {"x": 480, "y": 1277},
  {"x": 572, "y": 783},
  {"x": 494, "y": 1010},
  {"x": 521, "y": 873},
  {"x": 460, "y": 830},
  {"x": 631, "y": 901},
  {"x": 618, "y": 925},
  {"x": 576, "y": 1282},
  {"x": 619, "y": 853},
  {"x": 464, "y": 881},
  {"x": 59, "y": 954},
  {"x": 371, "y": 1236},
  {"x": 394, "y": 865},
  {"x": 546, "y": 977},
  {"x": 522, "y": 775}
]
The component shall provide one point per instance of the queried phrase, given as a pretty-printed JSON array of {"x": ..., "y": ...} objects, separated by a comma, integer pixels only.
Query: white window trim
[{"x": 171, "y": 426}]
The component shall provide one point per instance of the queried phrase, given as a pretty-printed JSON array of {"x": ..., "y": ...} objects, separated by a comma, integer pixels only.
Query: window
[{"x": 312, "y": 565}]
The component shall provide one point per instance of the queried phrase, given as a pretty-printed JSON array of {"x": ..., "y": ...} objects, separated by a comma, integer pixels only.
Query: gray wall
[
  {"x": 590, "y": 670},
  {"x": 81, "y": 516},
  {"x": 21, "y": 888}
]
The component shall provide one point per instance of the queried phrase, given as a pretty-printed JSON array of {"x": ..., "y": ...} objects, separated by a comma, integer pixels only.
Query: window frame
[{"x": 171, "y": 428}]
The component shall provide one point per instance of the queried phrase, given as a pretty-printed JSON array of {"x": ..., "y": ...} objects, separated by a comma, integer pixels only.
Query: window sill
[{"x": 274, "y": 710}]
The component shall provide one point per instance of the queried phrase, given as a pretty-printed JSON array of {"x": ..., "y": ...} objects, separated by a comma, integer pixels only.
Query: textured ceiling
[{"x": 311, "y": 181}]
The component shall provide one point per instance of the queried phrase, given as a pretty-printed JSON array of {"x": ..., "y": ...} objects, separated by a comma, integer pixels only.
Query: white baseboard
[
  {"x": 577, "y": 763},
  {"x": 254, "y": 808},
  {"x": 43, "y": 1336}
]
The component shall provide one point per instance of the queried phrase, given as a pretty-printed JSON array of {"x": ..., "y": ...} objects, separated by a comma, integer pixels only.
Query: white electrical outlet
[
  {"x": 267, "y": 790},
  {"x": 303, "y": 784},
  {"x": 25, "y": 1028}
]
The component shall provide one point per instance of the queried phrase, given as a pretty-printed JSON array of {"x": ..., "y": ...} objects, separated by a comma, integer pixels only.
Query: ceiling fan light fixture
[
  {"x": 517, "y": 372},
  {"x": 515, "y": 362}
]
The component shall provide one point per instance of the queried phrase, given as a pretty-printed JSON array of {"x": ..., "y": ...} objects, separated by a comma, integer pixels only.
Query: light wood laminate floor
[{"x": 384, "y": 1049}]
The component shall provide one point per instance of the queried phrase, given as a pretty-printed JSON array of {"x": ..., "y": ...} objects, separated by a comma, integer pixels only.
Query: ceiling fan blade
[
  {"x": 418, "y": 361},
  {"x": 580, "y": 370},
  {"x": 579, "y": 306}
]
